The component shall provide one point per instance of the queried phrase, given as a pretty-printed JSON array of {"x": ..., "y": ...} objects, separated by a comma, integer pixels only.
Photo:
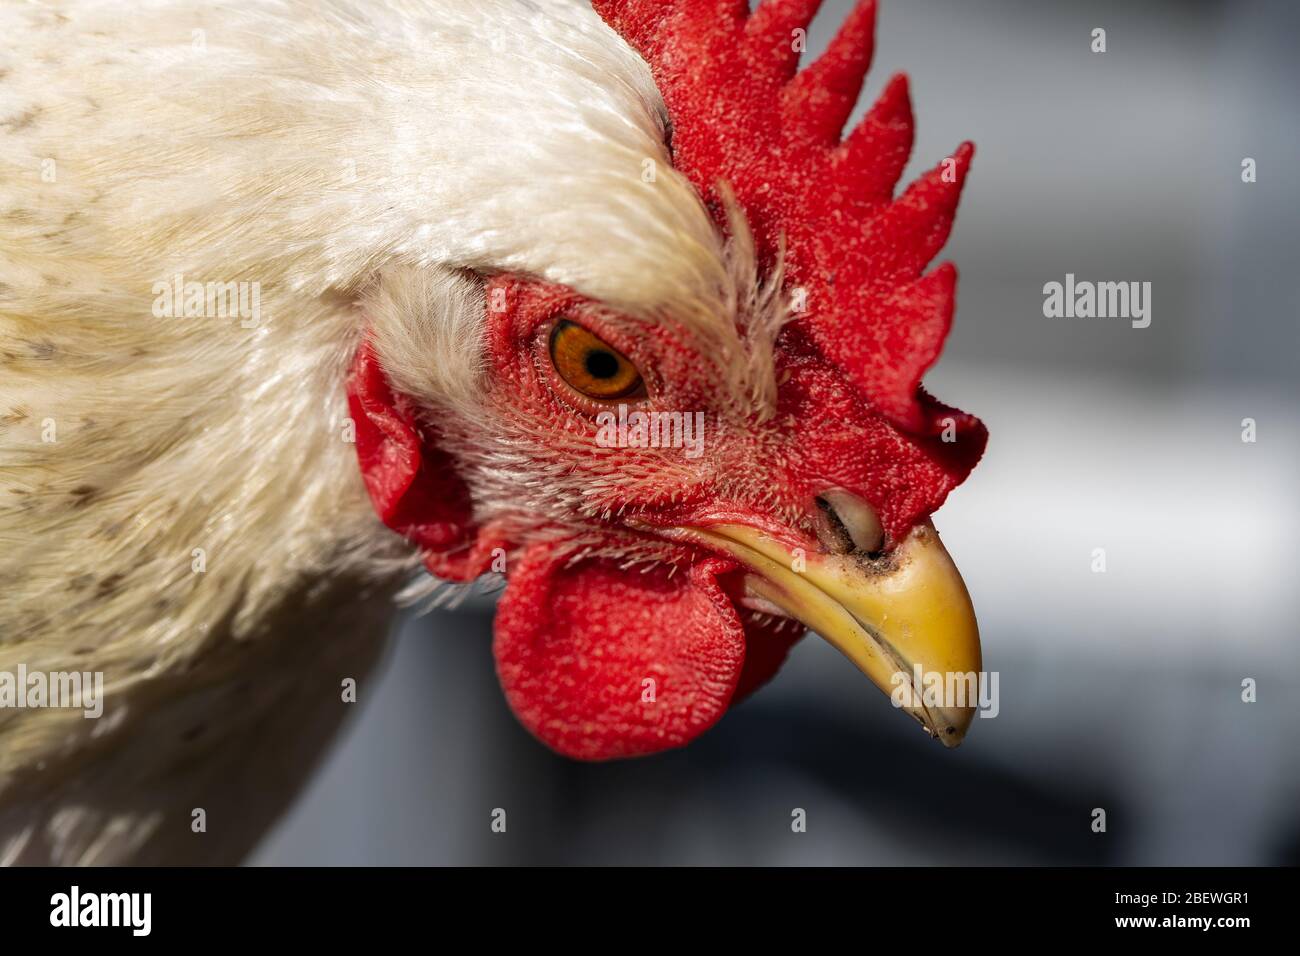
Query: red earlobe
[{"x": 412, "y": 482}]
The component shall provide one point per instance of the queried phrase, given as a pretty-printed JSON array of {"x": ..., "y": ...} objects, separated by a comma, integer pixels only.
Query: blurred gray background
[{"x": 1119, "y": 690}]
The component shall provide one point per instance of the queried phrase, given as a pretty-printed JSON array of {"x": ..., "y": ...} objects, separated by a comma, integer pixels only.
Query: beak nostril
[
  {"x": 848, "y": 523},
  {"x": 831, "y": 532}
]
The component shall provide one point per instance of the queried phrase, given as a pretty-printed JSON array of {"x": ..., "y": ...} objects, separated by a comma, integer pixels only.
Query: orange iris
[{"x": 591, "y": 366}]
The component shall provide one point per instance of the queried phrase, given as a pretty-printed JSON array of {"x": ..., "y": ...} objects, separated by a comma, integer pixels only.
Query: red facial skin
[
  {"x": 602, "y": 661},
  {"x": 576, "y": 643}
]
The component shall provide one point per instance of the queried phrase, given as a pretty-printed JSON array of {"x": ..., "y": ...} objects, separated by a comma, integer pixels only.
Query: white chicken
[{"x": 209, "y": 210}]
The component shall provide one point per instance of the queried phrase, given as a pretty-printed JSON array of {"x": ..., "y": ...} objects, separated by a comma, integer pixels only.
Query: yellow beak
[{"x": 905, "y": 620}]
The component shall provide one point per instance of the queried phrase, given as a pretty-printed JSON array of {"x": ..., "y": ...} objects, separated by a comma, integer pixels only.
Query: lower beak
[{"x": 904, "y": 619}]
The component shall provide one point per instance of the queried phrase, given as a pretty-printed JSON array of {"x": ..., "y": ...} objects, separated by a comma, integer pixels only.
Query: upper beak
[{"x": 900, "y": 618}]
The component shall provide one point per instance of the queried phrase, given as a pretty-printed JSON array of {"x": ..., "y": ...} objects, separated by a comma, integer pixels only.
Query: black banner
[{"x": 332, "y": 907}]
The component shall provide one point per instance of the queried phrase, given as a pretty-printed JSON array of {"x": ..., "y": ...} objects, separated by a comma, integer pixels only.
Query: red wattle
[{"x": 602, "y": 662}]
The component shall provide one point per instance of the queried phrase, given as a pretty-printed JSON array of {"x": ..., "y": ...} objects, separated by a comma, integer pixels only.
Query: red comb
[{"x": 743, "y": 113}]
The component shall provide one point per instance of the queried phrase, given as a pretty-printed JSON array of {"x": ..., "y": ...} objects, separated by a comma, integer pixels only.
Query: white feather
[{"x": 323, "y": 150}]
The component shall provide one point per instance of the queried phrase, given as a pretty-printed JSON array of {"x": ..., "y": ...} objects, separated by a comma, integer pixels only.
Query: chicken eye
[{"x": 589, "y": 365}]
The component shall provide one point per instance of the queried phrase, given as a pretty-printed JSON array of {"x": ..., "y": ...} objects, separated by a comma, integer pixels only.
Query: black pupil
[{"x": 601, "y": 364}]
